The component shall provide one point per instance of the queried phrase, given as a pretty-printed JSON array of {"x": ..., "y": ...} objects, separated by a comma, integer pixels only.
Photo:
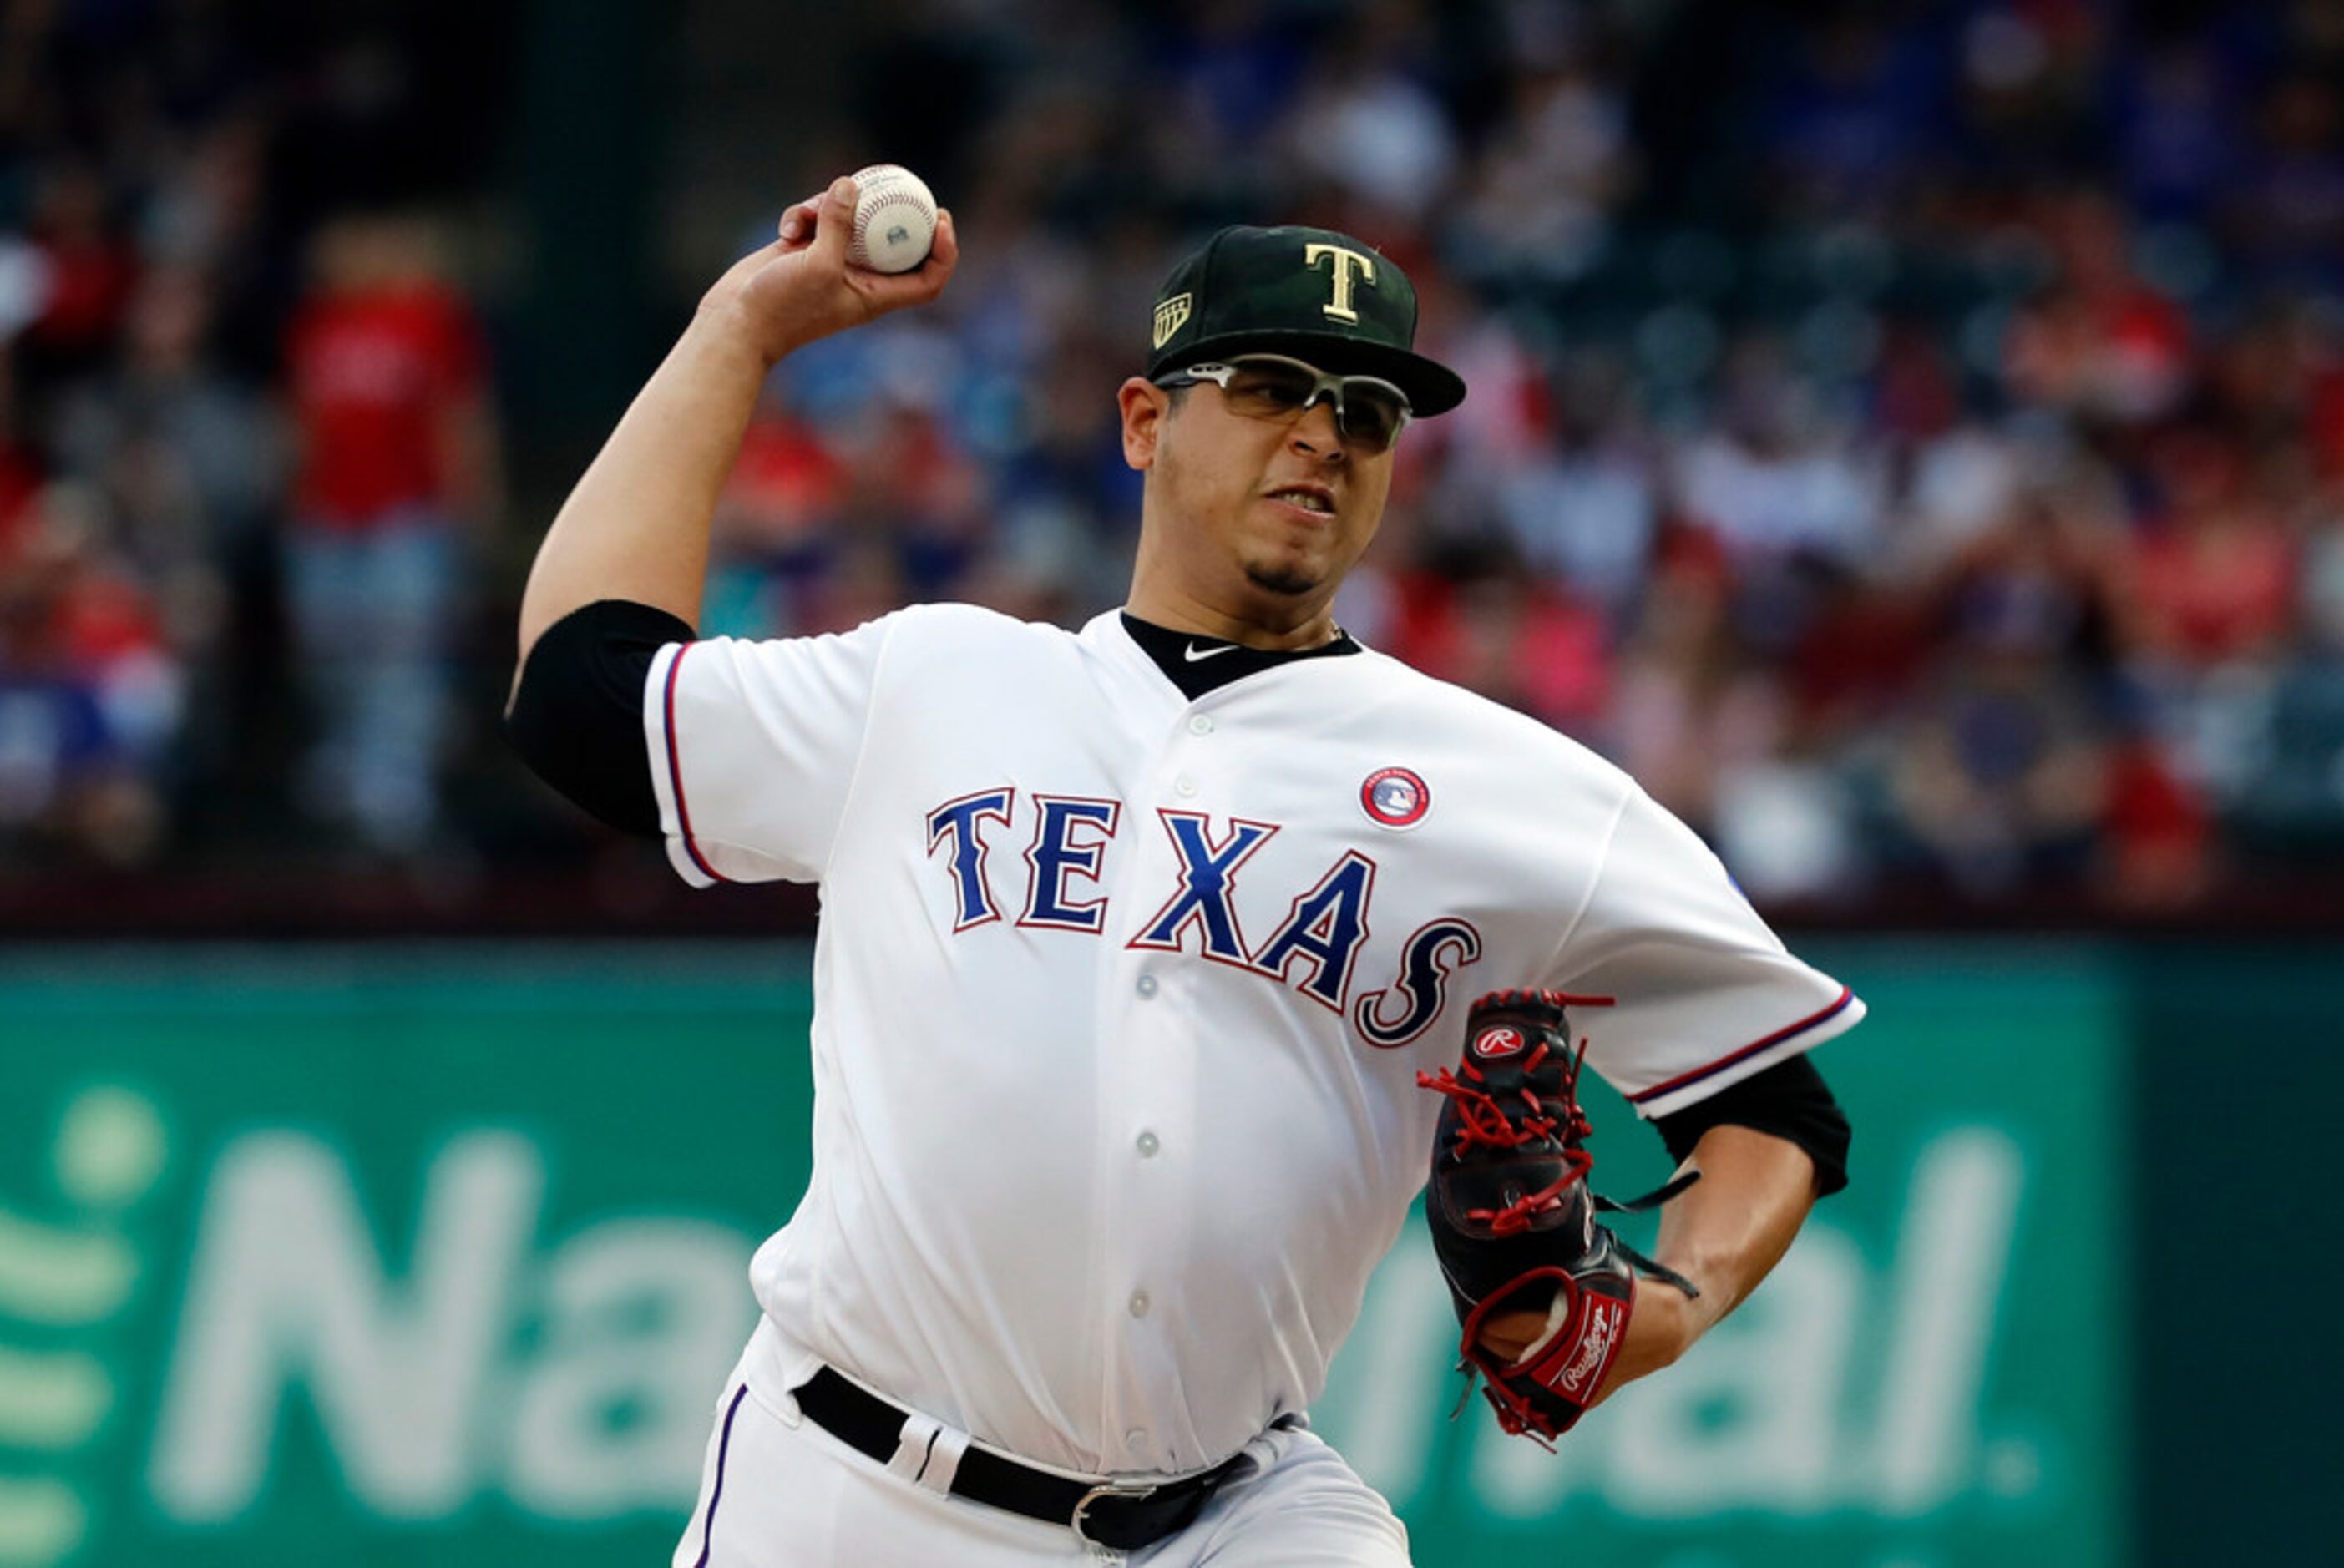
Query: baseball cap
[{"x": 1310, "y": 293}]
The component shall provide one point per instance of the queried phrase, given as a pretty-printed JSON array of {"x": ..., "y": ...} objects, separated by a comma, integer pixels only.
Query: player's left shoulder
[{"x": 1407, "y": 699}]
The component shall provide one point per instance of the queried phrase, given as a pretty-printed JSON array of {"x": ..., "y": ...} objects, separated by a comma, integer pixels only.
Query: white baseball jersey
[{"x": 1120, "y": 998}]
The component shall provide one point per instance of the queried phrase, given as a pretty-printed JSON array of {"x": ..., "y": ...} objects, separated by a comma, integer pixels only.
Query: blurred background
[{"x": 1909, "y": 436}]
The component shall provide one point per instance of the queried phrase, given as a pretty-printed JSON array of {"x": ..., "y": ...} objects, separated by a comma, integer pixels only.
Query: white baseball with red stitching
[{"x": 894, "y": 220}]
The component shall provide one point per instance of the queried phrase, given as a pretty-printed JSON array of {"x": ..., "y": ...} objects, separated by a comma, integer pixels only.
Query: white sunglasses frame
[{"x": 1218, "y": 371}]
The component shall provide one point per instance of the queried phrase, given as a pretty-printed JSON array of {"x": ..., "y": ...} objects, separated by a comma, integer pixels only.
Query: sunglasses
[{"x": 1369, "y": 412}]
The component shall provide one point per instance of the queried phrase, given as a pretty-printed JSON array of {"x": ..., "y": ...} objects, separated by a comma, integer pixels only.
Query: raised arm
[{"x": 636, "y": 525}]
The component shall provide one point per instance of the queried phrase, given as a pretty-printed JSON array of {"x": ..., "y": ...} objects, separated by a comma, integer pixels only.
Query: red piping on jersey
[
  {"x": 675, "y": 773},
  {"x": 1723, "y": 1062}
]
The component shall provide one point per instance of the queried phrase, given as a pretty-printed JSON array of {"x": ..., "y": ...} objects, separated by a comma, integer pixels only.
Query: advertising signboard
[{"x": 385, "y": 1256}]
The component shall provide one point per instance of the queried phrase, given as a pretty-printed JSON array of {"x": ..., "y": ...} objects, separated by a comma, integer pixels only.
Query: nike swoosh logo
[{"x": 1193, "y": 656}]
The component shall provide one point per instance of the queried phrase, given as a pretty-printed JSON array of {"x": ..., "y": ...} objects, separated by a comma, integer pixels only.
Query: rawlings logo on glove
[
  {"x": 1603, "y": 1326},
  {"x": 1514, "y": 1222}
]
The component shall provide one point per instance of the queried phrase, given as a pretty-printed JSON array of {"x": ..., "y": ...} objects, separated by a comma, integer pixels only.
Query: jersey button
[
  {"x": 1184, "y": 786},
  {"x": 1139, "y": 1303},
  {"x": 1148, "y": 1145},
  {"x": 1201, "y": 724},
  {"x": 1145, "y": 986},
  {"x": 1135, "y": 1438}
]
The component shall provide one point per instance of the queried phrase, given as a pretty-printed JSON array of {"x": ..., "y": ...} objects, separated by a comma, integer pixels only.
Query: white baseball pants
[{"x": 777, "y": 1492}]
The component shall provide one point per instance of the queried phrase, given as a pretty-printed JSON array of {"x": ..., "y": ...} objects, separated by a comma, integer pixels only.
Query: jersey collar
[{"x": 1200, "y": 665}]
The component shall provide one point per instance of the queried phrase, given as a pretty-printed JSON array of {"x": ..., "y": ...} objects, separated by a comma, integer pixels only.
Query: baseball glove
[{"x": 1513, "y": 1221}]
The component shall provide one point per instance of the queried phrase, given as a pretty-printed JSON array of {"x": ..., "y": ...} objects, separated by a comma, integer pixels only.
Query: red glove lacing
[{"x": 1482, "y": 1120}]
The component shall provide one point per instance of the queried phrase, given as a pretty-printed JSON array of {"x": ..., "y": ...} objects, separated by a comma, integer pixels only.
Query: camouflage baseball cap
[{"x": 1310, "y": 293}]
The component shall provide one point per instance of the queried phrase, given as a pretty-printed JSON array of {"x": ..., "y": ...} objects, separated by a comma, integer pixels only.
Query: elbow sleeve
[
  {"x": 1789, "y": 1100},
  {"x": 577, "y": 713}
]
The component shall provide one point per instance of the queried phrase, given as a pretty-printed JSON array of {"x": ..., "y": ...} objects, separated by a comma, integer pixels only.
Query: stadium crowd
[{"x": 1909, "y": 436}]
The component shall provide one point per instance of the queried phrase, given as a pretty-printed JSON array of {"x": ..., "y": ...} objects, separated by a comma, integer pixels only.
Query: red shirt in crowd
[
  {"x": 90, "y": 280},
  {"x": 20, "y": 486},
  {"x": 2207, "y": 594},
  {"x": 375, "y": 374}
]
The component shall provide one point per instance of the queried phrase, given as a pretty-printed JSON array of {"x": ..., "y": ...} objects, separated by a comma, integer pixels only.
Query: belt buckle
[{"x": 1138, "y": 1491}]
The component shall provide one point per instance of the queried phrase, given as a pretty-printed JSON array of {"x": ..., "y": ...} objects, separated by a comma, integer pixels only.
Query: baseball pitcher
[{"x": 1162, "y": 963}]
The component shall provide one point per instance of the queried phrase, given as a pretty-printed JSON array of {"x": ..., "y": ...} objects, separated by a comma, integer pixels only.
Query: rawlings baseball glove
[{"x": 1513, "y": 1221}]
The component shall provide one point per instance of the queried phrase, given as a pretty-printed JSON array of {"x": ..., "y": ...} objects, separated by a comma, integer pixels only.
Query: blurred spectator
[
  {"x": 1850, "y": 112},
  {"x": 2288, "y": 218},
  {"x": 2213, "y": 572},
  {"x": 396, "y": 460},
  {"x": 88, "y": 269},
  {"x": 1774, "y": 483},
  {"x": 1540, "y": 198},
  {"x": 2100, "y": 343},
  {"x": 1585, "y": 509},
  {"x": 1368, "y": 123},
  {"x": 20, "y": 472},
  {"x": 1692, "y": 703},
  {"x": 90, "y": 696},
  {"x": 1998, "y": 773},
  {"x": 2177, "y": 131},
  {"x": 2323, "y": 585},
  {"x": 1477, "y": 618},
  {"x": 2158, "y": 852},
  {"x": 186, "y": 465}
]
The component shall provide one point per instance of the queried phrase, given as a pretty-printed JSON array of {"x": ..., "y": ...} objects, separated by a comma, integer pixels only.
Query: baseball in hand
[{"x": 894, "y": 220}]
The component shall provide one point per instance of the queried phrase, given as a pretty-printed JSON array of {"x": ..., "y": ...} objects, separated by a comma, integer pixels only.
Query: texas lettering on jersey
[{"x": 1314, "y": 949}]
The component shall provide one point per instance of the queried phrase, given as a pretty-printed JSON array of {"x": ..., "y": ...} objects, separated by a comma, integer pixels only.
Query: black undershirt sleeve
[
  {"x": 577, "y": 714},
  {"x": 1789, "y": 1100}
]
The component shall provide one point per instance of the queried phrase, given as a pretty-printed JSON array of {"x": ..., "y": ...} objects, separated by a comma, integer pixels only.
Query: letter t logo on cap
[{"x": 1348, "y": 266}]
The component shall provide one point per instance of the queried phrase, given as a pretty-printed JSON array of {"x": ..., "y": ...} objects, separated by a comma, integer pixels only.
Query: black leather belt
[{"x": 1122, "y": 1515}]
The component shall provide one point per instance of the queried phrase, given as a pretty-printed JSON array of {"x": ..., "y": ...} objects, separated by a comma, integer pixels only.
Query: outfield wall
[{"x": 403, "y": 1254}]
